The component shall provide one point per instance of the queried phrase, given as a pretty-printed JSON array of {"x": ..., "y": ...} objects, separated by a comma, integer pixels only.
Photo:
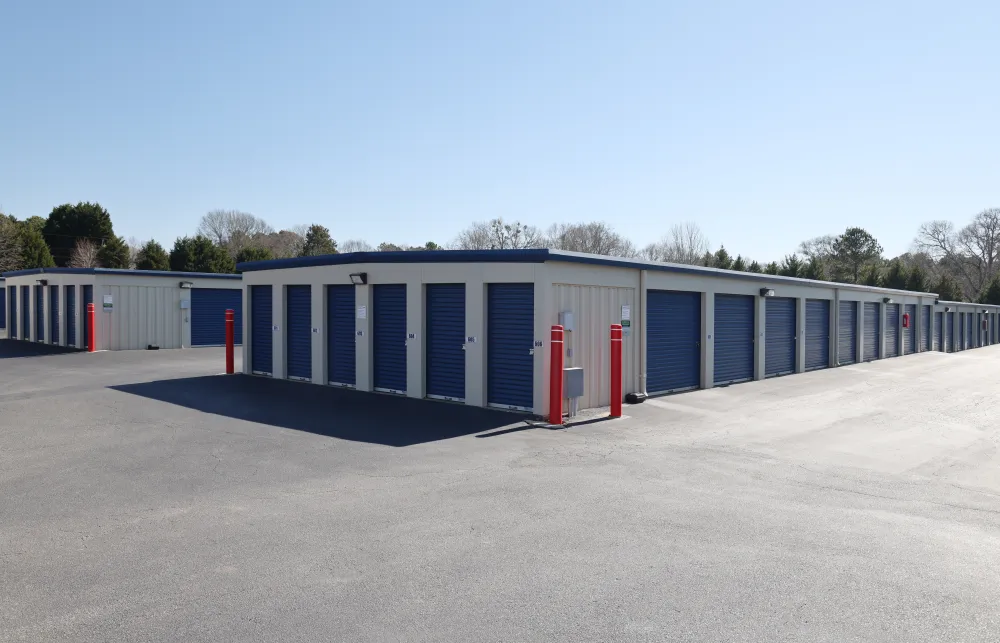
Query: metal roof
[
  {"x": 541, "y": 255},
  {"x": 117, "y": 271}
]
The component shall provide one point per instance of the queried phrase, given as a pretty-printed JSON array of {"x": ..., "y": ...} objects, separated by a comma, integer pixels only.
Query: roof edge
[{"x": 119, "y": 271}]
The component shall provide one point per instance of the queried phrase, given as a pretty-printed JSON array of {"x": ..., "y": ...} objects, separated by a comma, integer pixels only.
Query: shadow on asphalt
[
  {"x": 11, "y": 348},
  {"x": 323, "y": 410}
]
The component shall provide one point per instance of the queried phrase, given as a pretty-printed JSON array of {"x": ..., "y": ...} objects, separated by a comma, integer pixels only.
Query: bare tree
[
  {"x": 134, "y": 246},
  {"x": 84, "y": 255},
  {"x": 972, "y": 254},
  {"x": 819, "y": 248},
  {"x": 499, "y": 235},
  {"x": 282, "y": 244},
  {"x": 355, "y": 245},
  {"x": 685, "y": 243},
  {"x": 232, "y": 229},
  {"x": 594, "y": 238},
  {"x": 10, "y": 245}
]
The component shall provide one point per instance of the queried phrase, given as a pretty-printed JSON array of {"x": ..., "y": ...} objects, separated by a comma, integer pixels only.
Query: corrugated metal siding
[
  {"x": 910, "y": 334},
  {"x": 673, "y": 341},
  {"x": 88, "y": 298},
  {"x": 594, "y": 309},
  {"x": 54, "y": 314},
  {"x": 141, "y": 316},
  {"x": 208, "y": 315},
  {"x": 510, "y": 332},
  {"x": 298, "y": 332},
  {"x": 925, "y": 321},
  {"x": 734, "y": 339},
  {"x": 389, "y": 337},
  {"x": 341, "y": 346},
  {"x": 817, "y": 334},
  {"x": 71, "y": 315},
  {"x": 939, "y": 334},
  {"x": 873, "y": 330},
  {"x": 445, "y": 337},
  {"x": 779, "y": 336},
  {"x": 847, "y": 333},
  {"x": 261, "y": 330},
  {"x": 892, "y": 330}
]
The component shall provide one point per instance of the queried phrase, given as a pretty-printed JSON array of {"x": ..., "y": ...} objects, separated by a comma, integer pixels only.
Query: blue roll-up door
[
  {"x": 12, "y": 333},
  {"x": 298, "y": 332},
  {"x": 993, "y": 328},
  {"x": 261, "y": 330},
  {"x": 779, "y": 336},
  {"x": 510, "y": 333},
  {"x": 939, "y": 331},
  {"x": 208, "y": 315},
  {"x": 445, "y": 347},
  {"x": 734, "y": 328},
  {"x": 817, "y": 334},
  {"x": 892, "y": 330},
  {"x": 340, "y": 343},
  {"x": 389, "y": 337},
  {"x": 873, "y": 330},
  {"x": 88, "y": 298},
  {"x": 39, "y": 313},
  {"x": 54, "y": 314},
  {"x": 951, "y": 333},
  {"x": 70, "y": 315},
  {"x": 910, "y": 334},
  {"x": 673, "y": 341},
  {"x": 925, "y": 323},
  {"x": 26, "y": 313},
  {"x": 3, "y": 308},
  {"x": 968, "y": 331},
  {"x": 847, "y": 333}
]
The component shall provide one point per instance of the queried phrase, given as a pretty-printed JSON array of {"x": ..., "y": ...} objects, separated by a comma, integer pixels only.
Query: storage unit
[
  {"x": 71, "y": 315},
  {"x": 298, "y": 333},
  {"x": 88, "y": 298},
  {"x": 892, "y": 330},
  {"x": 817, "y": 334},
  {"x": 847, "y": 333},
  {"x": 925, "y": 327},
  {"x": 939, "y": 331},
  {"x": 673, "y": 341},
  {"x": 967, "y": 340},
  {"x": 39, "y": 314},
  {"x": 734, "y": 339},
  {"x": 340, "y": 341},
  {"x": 26, "y": 329},
  {"x": 12, "y": 297},
  {"x": 445, "y": 347},
  {"x": 208, "y": 315},
  {"x": 779, "y": 336},
  {"x": 3, "y": 306},
  {"x": 261, "y": 331},
  {"x": 510, "y": 346},
  {"x": 54, "y": 314},
  {"x": 910, "y": 334},
  {"x": 389, "y": 338},
  {"x": 873, "y": 330},
  {"x": 953, "y": 334}
]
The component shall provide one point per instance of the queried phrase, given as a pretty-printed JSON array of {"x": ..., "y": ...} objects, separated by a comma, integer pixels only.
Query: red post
[
  {"x": 556, "y": 377},
  {"x": 91, "y": 331},
  {"x": 230, "y": 334},
  {"x": 616, "y": 370}
]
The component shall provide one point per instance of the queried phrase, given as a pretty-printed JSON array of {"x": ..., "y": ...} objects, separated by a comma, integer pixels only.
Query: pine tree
[
  {"x": 152, "y": 256},
  {"x": 739, "y": 264},
  {"x": 199, "y": 254},
  {"x": 114, "y": 253},
  {"x": 318, "y": 242},
  {"x": 791, "y": 265},
  {"x": 754, "y": 267},
  {"x": 991, "y": 294},
  {"x": 813, "y": 269},
  {"x": 947, "y": 289},
  {"x": 35, "y": 252},
  {"x": 722, "y": 259},
  {"x": 917, "y": 281},
  {"x": 896, "y": 276},
  {"x": 872, "y": 276},
  {"x": 772, "y": 268},
  {"x": 253, "y": 253}
]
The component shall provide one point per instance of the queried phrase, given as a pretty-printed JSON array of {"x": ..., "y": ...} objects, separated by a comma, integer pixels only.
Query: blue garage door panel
[
  {"x": 939, "y": 331},
  {"x": 873, "y": 330},
  {"x": 208, "y": 315},
  {"x": 39, "y": 313},
  {"x": 446, "y": 341},
  {"x": 925, "y": 332},
  {"x": 341, "y": 346},
  {"x": 892, "y": 330},
  {"x": 673, "y": 341},
  {"x": 3, "y": 308},
  {"x": 261, "y": 331},
  {"x": 951, "y": 333},
  {"x": 910, "y": 334},
  {"x": 779, "y": 336},
  {"x": 389, "y": 337},
  {"x": 54, "y": 314},
  {"x": 12, "y": 333},
  {"x": 817, "y": 334},
  {"x": 968, "y": 331},
  {"x": 70, "y": 315},
  {"x": 298, "y": 332},
  {"x": 510, "y": 333},
  {"x": 88, "y": 298},
  {"x": 25, "y": 313},
  {"x": 734, "y": 327},
  {"x": 847, "y": 333}
]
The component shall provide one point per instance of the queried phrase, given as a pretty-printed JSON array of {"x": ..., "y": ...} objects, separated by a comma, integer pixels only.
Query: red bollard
[
  {"x": 230, "y": 341},
  {"x": 91, "y": 331},
  {"x": 556, "y": 377},
  {"x": 616, "y": 370}
]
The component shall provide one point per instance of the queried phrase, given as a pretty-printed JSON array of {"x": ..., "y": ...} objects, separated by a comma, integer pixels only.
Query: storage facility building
[{"x": 135, "y": 309}]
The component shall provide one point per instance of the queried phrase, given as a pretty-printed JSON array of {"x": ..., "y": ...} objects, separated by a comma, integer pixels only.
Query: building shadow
[
  {"x": 12, "y": 348},
  {"x": 333, "y": 412}
]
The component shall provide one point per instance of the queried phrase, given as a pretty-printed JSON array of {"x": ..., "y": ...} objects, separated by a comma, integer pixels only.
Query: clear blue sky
[{"x": 764, "y": 122}]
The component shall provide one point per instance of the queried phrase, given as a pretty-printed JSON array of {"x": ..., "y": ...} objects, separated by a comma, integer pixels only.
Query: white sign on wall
[
  {"x": 109, "y": 303},
  {"x": 362, "y": 312}
]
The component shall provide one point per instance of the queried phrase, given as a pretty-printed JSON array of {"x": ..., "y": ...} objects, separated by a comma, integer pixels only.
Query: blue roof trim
[{"x": 117, "y": 271}]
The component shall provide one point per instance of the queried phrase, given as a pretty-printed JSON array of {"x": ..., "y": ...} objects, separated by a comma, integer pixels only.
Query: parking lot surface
[{"x": 144, "y": 497}]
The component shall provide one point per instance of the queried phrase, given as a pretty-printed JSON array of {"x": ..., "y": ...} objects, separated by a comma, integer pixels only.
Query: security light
[
  {"x": 359, "y": 278},
  {"x": 43, "y": 282},
  {"x": 887, "y": 300},
  {"x": 947, "y": 309},
  {"x": 767, "y": 292},
  {"x": 186, "y": 284}
]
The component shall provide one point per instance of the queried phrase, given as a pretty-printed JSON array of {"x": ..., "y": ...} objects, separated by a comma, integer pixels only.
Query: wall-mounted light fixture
[
  {"x": 887, "y": 300},
  {"x": 186, "y": 284},
  {"x": 359, "y": 278},
  {"x": 43, "y": 282},
  {"x": 947, "y": 309},
  {"x": 986, "y": 310},
  {"x": 767, "y": 292}
]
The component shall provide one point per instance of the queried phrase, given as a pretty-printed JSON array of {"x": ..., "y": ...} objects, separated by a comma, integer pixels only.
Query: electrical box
[
  {"x": 566, "y": 320},
  {"x": 573, "y": 382},
  {"x": 185, "y": 304}
]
